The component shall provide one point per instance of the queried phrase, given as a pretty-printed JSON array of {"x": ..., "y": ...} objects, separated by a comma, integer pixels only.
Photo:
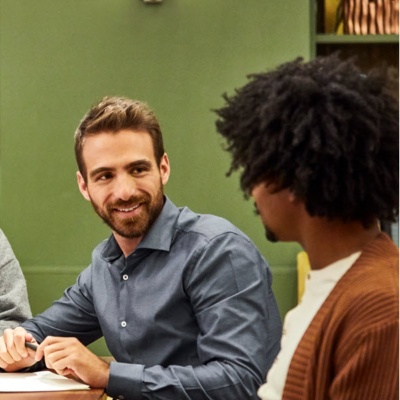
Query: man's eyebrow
[
  {"x": 139, "y": 163},
  {"x": 99, "y": 170},
  {"x": 134, "y": 164}
]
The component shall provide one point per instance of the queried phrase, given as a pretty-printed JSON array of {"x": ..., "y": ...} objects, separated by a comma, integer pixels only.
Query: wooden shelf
[
  {"x": 355, "y": 39},
  {"x": 369, "y": 50}
]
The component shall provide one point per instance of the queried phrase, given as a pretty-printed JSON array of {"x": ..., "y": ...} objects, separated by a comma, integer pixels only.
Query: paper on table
[{"x": 42, "y": 381}]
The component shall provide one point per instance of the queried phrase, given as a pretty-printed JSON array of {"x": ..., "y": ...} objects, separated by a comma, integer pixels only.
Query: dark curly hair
[{"x": 322, "y": 129}]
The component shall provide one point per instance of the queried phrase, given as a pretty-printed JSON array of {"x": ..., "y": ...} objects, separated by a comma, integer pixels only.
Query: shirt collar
[{"x": 159, "y": 236}]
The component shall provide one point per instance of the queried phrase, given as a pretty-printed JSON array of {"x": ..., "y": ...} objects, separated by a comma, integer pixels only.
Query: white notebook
[{"x": 42, "y": 381}]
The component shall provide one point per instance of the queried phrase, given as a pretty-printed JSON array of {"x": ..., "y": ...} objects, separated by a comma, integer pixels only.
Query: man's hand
[
  {"x": 14, "y": 355},
  {"x": 69, "y": 357}
]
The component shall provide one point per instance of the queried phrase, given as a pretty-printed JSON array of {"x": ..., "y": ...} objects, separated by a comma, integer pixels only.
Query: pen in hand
[{"x": 31, "y": 346}]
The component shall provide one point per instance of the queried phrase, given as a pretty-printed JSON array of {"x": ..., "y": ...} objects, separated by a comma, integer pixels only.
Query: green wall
[{"x": 59, "y": 57}]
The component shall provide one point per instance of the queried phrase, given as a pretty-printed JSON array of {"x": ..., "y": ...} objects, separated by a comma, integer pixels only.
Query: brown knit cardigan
[{"x": 350, "y": 351}]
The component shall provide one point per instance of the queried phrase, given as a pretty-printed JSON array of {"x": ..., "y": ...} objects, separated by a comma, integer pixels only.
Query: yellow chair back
[{"x": 303, "y": 268}]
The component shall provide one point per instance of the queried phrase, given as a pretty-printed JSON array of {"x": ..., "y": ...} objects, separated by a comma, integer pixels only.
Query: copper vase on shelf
[{"x": 369, "y": 17}]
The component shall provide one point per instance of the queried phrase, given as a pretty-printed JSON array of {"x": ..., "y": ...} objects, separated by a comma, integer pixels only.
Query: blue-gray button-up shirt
[{"x": 190, "y": 314}]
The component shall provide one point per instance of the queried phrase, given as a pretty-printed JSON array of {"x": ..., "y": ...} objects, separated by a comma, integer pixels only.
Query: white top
[{"x": 318, "y": 286}]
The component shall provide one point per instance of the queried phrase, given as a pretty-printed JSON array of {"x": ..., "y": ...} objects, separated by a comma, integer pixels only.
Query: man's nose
[{"x": 125, "y": 187}]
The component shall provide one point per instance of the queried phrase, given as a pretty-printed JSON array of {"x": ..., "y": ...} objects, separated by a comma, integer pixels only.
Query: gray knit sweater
[{"x": 14, "y": 305}]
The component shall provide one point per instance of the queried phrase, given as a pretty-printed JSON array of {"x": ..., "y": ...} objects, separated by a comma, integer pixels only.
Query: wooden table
[{"x": 92, "y": 394}]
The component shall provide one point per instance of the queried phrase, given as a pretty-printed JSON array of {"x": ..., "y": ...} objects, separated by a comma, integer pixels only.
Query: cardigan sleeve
[{"x": 367, "y": 366}]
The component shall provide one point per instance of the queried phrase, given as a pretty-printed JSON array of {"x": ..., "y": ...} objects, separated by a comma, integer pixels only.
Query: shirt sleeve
[
  {"x": 61, "y": 318},
  {"x": 13, "y": 293},
  {"x": 229, "y": 287}
]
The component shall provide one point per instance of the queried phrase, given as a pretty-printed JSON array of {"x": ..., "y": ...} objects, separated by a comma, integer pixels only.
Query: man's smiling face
[{"x": 124, "y": 182}]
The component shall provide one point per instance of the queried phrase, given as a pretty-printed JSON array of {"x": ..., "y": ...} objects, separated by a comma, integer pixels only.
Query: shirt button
[
  {"x": 125, "y": 277},
  {"x": 123, "y": 324}
]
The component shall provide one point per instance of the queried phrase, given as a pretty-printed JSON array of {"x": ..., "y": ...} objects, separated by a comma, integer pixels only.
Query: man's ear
[
  {"x": 82, "y": 186},
  {"x": 293, "y": 198},
  {"x": 165, "y": 169}
]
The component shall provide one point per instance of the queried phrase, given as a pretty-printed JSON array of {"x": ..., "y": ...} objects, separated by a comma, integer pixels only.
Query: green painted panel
[
  {"x": 285, "y": 288},
  {"x": 60, "y": 56}
]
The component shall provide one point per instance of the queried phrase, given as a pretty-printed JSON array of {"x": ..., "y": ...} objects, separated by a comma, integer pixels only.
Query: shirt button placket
[{"x": 125, "y": 277}]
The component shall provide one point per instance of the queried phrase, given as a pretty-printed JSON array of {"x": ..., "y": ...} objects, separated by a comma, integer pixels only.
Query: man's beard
[
  {"x": 138, "y": 225},
  {"x": 270, "y": 235}
]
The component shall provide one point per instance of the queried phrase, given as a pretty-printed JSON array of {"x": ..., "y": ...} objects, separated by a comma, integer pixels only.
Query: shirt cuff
[{"x": 125, "y": 381}]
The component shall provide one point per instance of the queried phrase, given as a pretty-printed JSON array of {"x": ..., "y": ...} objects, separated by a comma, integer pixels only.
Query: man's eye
[
  {"x": 138, "y": 171},
  {"x": 104, "y": 177}
]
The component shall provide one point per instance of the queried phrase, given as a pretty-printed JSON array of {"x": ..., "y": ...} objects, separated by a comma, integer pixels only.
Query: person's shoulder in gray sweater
[{"x": 14, "y": 304}]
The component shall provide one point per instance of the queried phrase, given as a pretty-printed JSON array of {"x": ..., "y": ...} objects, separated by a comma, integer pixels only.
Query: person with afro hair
[{"x": 317, "y": 144}]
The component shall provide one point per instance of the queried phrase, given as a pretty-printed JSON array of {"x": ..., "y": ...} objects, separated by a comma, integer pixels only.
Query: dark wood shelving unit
[{"x": 369, "y": 50}]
